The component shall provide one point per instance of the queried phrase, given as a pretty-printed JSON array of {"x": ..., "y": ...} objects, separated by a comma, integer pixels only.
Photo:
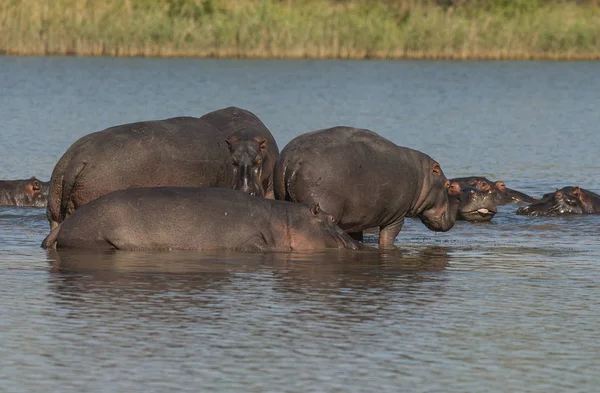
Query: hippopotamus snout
[{"x": 250, "y": 187}]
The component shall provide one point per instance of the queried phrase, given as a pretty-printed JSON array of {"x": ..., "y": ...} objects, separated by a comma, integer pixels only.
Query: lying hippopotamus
[
  {"x": 568, "y": 200},
  {"x": 181, "y": 151},
  {"x": 30, "y": 192},
  {"x": 363, "y": 180},
  {"x": 189, "y": 218},
  {"x": 472, "y": 204},
  {"x": 502, "y": 194},
  {"x": 253, "y": 149}
]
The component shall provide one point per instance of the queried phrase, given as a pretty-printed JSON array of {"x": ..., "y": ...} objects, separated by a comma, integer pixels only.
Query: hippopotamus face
[
  {"x": 30, "y": 192},
  {"x": 473, "y": 204},
  {"x": 247, "y": 160},
  {"x": 323, "y": 233},
  {"x": 568, "y": 200},
  {"x": 502, "y": 194},
  {"x": 437, "y": 215}
]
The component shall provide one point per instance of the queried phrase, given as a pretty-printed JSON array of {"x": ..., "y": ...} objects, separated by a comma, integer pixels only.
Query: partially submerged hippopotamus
[
  {"x": 472, "y": 204},
  {"x": 28, "y": 192},
  {"x": 188, "y": 218},
  {"x": 502, "y": 194},
  {"x": 180, "y": 151},
  {"x": 567, "y": 200},
  {"x": 363, "y": 180},
  {"x": 253, "y": 149}
]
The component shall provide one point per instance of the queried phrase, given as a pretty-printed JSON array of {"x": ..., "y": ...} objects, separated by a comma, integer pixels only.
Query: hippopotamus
[
  {"x": 567, "y": 200},
  {"x": 473, "y": 204},
  {"x": 253, "y": 149},
  {"x": 28, "y": 192},
  {"x": 180, "y": 151},
  {"x": 364, "y": 180},
  {"x": 191, "y": 218},
  {"x": 502, "y": 194}
]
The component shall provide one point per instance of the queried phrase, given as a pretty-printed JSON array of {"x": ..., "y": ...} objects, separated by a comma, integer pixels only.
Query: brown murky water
[{"x": 506, "y": 306}]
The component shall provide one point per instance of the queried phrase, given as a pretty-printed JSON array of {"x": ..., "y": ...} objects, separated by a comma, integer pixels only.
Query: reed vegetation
[{"x": 456, "y": 29}]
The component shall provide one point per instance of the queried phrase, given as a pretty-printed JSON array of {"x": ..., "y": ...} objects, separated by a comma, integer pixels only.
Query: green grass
[{"x": 483, "y": 29}]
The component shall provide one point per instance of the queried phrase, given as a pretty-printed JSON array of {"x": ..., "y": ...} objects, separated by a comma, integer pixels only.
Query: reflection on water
[{"x": 505, "y": 306}]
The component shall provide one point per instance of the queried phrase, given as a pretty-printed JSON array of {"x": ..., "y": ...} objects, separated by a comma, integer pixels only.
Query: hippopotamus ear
[
  {"x": 500, "y": 185},
  {"x": 262, "y": 143},
  {"x": 577, "y": 193},
  {"x": 315, "y": 209},
  {"x": 36, "y": 184},
  {"x": 231, "y": 141},
  {"x": 454, "y": 188},
  {"x": 436, "y": 169}
]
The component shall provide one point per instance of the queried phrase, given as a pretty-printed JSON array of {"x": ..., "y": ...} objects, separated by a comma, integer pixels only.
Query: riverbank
[{"x": 524, "y": 29}]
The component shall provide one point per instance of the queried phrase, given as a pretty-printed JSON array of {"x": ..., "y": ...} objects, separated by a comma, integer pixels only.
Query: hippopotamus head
[
  {"x": 30, "y": 192},
  {"x": 506, "y": 195},
  {"x": 473, "y": 204},
  {"x": 314, "y": 229},
  {"x": 247, "y": 157},
  {"x": 568, "y": 200},
  {"x": 36, "y": 189},
  {"x": 435, "y": 210}
]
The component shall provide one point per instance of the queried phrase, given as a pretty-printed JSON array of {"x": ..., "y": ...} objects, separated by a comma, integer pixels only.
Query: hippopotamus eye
[{"x": 331, "y": 218}]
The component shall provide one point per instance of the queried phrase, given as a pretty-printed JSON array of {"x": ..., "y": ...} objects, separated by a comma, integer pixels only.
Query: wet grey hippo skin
[
  {"x": 472, "y": 205},
  {"x": 253, "y": 149},
  {"x": 185, "y": 218},
  {"x": 27, "y": 192},
  {"x": 503, "y": 194},
  {"x": 566, "y": 201},
  {"x": 181, "y": 151},
  {"x": 364, "y": 180}
]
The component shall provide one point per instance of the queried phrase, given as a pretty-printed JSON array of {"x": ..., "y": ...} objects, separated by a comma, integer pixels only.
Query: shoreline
[
  {"x": 499, "y": 56},
  {"x": 302, "y": 29}
]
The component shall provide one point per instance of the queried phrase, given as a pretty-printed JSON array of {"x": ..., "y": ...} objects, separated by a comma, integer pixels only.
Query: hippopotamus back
[{"x": 180, "y": 151}]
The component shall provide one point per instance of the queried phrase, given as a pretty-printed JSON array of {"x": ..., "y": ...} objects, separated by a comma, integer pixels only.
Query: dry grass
[{"x": 300, "y": 29}]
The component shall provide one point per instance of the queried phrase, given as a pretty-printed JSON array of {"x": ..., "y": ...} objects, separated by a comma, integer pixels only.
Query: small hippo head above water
[
  {"x": 247, "y": 157},
  {"x": 566, "y": 201},
  {"x": 29, "y": 192},
  {"x": 472, "y": 204},
  {"x": 502, "y": 194}
]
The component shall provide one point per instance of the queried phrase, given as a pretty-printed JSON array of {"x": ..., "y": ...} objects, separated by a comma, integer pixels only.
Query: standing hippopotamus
[
  {"x": 568, "y": 200},
  {"x": 253, "y": 149},
  {"x": 364, "y": 180},
  {"x": 188, "y": 218},
  {"x": 503, "y": 194},
  {"x": 473, "y": 204},
  {"x": 181, "y": 151},
  {"x": 31, "y": 192}
]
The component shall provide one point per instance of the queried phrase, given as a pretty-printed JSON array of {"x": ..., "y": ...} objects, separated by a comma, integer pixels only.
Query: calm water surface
[{"x": 507, "y": 306}]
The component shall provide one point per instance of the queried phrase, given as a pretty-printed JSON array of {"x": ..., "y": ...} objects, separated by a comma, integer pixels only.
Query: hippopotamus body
[
  {"x": 253, "y": 149},
  {"x": 181, "y": 151},
  {"x": 29, "y": 192},
  {"x": 567, "y": 200},
  {"x": 188, "y": 218},
  {"x": 364, "y": 180},
  {"x": 473, "y": 204},
  {"x": 502, "y": 194}
]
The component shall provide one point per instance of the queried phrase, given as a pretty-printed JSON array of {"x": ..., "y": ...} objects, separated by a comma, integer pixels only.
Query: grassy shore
[{"x": 476, "y": 29}]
